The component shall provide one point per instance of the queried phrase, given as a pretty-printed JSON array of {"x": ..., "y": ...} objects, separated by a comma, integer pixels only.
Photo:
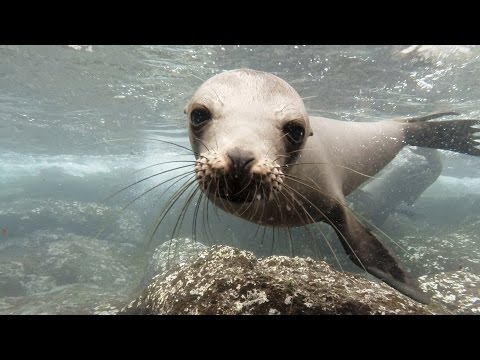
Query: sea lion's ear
[
  {"x": 186, "y": 107},
  {"x": 311, "y": 133}
]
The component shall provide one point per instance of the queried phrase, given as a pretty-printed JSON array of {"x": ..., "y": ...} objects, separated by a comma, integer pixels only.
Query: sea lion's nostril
[{"x": 241, "y": 161}]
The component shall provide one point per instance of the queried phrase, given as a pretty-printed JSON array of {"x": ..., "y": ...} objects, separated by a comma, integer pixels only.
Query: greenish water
[{"x": 74, "y": 124}]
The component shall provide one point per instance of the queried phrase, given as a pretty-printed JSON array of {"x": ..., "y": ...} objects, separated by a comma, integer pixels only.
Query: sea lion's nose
[{"x": 241, "y": 162}]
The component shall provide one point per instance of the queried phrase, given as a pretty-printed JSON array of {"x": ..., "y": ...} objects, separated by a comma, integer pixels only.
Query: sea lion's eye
[
  {"x": 200, "y": 116},
  {"x": 294, "y": 132}
]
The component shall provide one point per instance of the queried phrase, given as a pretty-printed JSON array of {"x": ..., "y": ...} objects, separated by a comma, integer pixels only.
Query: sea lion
[
  {"x": 260, "y": 156},
  {"x": 398, "y": 185}
]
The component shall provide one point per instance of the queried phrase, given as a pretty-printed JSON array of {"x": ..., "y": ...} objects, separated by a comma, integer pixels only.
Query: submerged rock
[
  {"x": 457, "y": 290},
  {"x": 170, "y": 253},
  {"x": 430, "y": 252},
  {"x": 226, "y": 280},
  {"x": 65, "y": 273}
]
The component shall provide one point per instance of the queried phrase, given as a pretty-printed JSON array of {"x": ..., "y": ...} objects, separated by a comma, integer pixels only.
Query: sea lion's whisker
[
  {"x": 205, "y": 216},
  {"x": 301, "y": 150},
  {"x": 263, "y": 235},
  {"x": 172, "y": 143},
  {"x": 336, "y": 165},
  {"x": 224, "y": 177},
  {"x": 245, "y": 204},
  {"x": 173, "y": 199},
  {"x": 361, "y": 219},
  {"x": 205, "y": 220},
  {"x": 273, "y": 239},
  {"x": 273, "y": 143},
  {"x": 196, "y": 77},
  {"x": 183, "y": 212},
  {"x": 217, "y": 194},
  {"x": 106, "y": 141},
  {"x": 246, "y": 186},
  {"x": 290, "y": 243},
  {"x": 327, "y": 241},
  {"x": 256, "y": 197},
  {"x": 177, "y": 195},
  {"x": 289, "y": 203},
  {"x": 206, "y": 211},
  {"x": 308, "y": 229},
  {"x": 215, "y": 137},
  {"x": 270, "y": 148},
  {"x": 254, "y": 204},
  {"x": 195, "y": 214},
  {"x": 216, "y": 94},
  {"x": 180, "y": 176},
  {"x": 165, "y": 124},
  {"x": 330, "y": 222},
  {"x": 163, "y": 163},
  {"x": 181, "y": 217},
  {"x": 282, "y": 218},
  {"x": 278, "y": 156},
  {"x": 309, "y": 97},
  {"x": 248, "y": 204},
  {"x": 256, "y": 231},
  {"x": 201, "y": 142},
  {"x": 258, "y": 206},
  {"x": 138, "y": 197},
  {"x": 144, "y": 179},
  {"x": 358, "y": 217}
]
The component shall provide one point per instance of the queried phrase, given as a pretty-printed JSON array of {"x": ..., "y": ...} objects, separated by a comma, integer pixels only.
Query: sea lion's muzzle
[{"x": 238, "y": 175}]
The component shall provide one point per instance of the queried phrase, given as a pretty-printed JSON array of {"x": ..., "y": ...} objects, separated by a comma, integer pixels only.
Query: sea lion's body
[
  {"x": 261, "y": 157},
  {"x": 338, "y": 158}
]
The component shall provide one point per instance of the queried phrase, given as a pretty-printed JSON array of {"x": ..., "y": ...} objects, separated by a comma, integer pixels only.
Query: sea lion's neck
[{"x": 357, "y": 150}]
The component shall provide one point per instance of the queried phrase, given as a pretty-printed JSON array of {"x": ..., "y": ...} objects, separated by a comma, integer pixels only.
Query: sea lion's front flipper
[{"x": 367, "y": 252}]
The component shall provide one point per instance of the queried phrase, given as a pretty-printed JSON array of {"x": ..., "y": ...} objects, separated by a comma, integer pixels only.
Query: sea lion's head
[{"x": 245, "y": 127}]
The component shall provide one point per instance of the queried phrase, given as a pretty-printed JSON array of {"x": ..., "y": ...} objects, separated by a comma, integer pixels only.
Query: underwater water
[{"x": 79, "y": 123}]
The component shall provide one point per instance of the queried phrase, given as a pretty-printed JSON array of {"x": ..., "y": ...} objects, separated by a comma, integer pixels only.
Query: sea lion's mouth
[
  {"x": 236, "y": 191},
  {"x": 240, "y": 198}
]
